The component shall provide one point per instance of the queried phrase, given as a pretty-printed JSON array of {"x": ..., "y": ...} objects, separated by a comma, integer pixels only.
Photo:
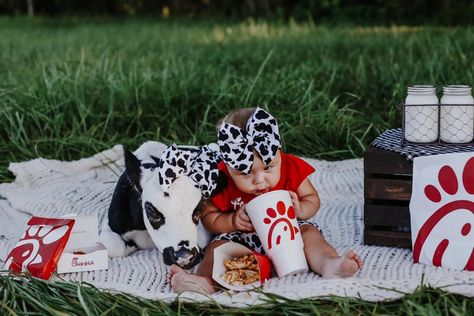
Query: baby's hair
[{"x": 238, "y": 118}]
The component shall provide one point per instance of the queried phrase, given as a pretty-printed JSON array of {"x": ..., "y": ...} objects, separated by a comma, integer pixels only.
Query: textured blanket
[{"x": 51, "y": 188}]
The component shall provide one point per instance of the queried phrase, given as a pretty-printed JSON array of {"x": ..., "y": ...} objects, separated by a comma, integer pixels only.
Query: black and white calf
[{"x": 157, "y": 202}]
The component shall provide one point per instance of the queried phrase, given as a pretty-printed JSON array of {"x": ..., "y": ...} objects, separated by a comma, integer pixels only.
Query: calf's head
[{"x": 171, "y": 201}]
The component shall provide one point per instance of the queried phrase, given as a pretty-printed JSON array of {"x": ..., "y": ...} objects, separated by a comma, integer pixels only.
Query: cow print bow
[
  {"x": 237, "y": 145},
  {"x": 200, "y": 168}
]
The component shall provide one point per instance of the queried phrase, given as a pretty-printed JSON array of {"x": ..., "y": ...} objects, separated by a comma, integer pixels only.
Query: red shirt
[{"x": 294, "y": 171}]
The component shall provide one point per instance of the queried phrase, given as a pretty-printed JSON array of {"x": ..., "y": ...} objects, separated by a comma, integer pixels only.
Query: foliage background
[{"x": 381, "y": 12}]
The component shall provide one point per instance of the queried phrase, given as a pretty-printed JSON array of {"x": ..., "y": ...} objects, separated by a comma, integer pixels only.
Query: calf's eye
[
  {"x": 155, "y": 217},
  {"x": 196, "y": 215},
  {"x": 195, "y": 219}
]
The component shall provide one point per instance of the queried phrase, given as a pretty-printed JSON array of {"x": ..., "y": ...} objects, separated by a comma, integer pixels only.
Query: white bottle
[
  {"x": 457, "y": 120},
  {"x": 421, "y": 122}
]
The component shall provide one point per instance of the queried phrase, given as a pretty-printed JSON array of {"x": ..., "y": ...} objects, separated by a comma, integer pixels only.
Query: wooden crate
[{"x": 387, "y": 192}]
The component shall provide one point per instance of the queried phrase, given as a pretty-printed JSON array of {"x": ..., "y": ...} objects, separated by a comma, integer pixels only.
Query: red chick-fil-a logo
[
  {"x": 76, "y": 263},
  {"x": 41, "y": 243},
  {"x": 276, "y": 217},
  {"x": 450, "y": 185}
]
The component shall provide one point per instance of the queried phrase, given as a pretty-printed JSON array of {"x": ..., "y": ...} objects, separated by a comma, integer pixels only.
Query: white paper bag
[
  {"x": 442, "y": 210},
  {"x": 83, "y": 252}
]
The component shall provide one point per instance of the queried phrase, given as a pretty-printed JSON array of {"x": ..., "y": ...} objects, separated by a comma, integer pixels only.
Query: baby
[{"x": 254, "y": 164}]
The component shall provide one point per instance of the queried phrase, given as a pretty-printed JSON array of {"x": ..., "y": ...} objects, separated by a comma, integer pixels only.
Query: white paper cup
[{"x": 273, "y": 216}]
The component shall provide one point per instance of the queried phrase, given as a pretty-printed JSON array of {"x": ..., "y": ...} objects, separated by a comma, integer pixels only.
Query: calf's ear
[{"x": 133, "y": 168}]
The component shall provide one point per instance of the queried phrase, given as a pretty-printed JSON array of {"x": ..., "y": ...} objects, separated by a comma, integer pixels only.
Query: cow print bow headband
[
  {"x": 237, "y": 145},
  {"x": 201, "y": 168}
]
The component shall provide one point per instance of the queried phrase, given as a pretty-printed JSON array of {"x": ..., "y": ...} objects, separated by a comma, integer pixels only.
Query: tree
[{"x": 31, "y": 8}]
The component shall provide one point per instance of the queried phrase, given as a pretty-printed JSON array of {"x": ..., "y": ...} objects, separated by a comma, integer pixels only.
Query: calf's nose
[{"x": 183, "y": 257}]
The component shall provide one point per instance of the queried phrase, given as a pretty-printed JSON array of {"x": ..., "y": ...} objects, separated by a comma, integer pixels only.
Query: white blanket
[{"x": 52, "y": 188}]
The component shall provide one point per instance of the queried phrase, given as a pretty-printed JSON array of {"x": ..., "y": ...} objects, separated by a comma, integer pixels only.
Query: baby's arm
[
  {"x": 305, "y": 201},
  {"x": 217, "y": 222}
]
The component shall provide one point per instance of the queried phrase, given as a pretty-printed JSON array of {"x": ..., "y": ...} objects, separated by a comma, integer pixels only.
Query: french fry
[{"x": 241, "y": 270}]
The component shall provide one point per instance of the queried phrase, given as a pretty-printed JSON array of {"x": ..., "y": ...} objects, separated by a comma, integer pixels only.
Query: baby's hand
[
  {"x": 241, "y": 221},
  {"x": 296, "y": 202}
]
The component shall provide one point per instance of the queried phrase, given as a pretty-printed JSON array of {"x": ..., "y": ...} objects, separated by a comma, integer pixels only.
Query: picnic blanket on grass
[{"x": 45, "y": 187}]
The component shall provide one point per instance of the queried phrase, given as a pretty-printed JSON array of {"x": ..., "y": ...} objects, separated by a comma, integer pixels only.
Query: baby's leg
[
  {"x": 323, "y": 258},
  {"x": 181, "y": 280}
]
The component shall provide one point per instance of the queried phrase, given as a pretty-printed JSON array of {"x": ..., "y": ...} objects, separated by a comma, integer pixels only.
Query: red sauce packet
[{"x": 40, "y": 247}]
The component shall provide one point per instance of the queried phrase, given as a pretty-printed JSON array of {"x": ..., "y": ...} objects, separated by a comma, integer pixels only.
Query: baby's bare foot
[
  {"x": 181, "y": 281},
  {"x": 344, "y": 266}
]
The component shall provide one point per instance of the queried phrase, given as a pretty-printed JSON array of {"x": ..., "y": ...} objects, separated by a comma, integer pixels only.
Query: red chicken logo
[
  {"x": 452, "y": 219},
  {"x": 284, "y": 216}
]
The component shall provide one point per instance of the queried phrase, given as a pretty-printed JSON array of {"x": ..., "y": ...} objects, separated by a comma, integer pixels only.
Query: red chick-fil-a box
[{"x": 40, "y": 247}]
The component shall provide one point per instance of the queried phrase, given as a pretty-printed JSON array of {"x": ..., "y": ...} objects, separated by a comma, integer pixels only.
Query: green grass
[
  {"x": 72, "y": 87},
  {"x": 30, "y": 296},
  {"x": 69, "y": 88}
]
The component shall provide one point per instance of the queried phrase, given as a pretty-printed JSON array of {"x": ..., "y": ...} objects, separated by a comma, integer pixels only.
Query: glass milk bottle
[
  {"x": 457, "y": 120},
  {"x": 421, "y": 122}
]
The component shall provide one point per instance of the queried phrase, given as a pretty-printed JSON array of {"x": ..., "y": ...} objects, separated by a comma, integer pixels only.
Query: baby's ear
[
  {"x": 133, "y": 168},
  {"x": 221, "y": 183}
]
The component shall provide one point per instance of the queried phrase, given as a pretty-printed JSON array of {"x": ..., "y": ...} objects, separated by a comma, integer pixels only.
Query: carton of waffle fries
[{"x": 239, "y": 268}]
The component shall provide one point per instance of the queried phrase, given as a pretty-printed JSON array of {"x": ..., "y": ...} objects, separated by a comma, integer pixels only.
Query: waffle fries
[{"x": 241, "y": 270}]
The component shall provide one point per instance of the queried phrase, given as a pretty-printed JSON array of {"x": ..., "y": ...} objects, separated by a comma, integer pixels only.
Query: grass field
[
  {"x": 72, "y": 87},
  {"x": 69, "y": 88},
  {"x": 43, "y": 298}
]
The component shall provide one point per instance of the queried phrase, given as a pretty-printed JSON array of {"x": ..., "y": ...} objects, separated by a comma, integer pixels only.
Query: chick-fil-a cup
[{"x": 273, "y": 216}]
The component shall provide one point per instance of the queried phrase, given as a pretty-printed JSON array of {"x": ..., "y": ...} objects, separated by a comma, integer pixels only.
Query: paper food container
[
  {"x": 83, "y": 252},
  {"x": 231, "y": 250}
]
